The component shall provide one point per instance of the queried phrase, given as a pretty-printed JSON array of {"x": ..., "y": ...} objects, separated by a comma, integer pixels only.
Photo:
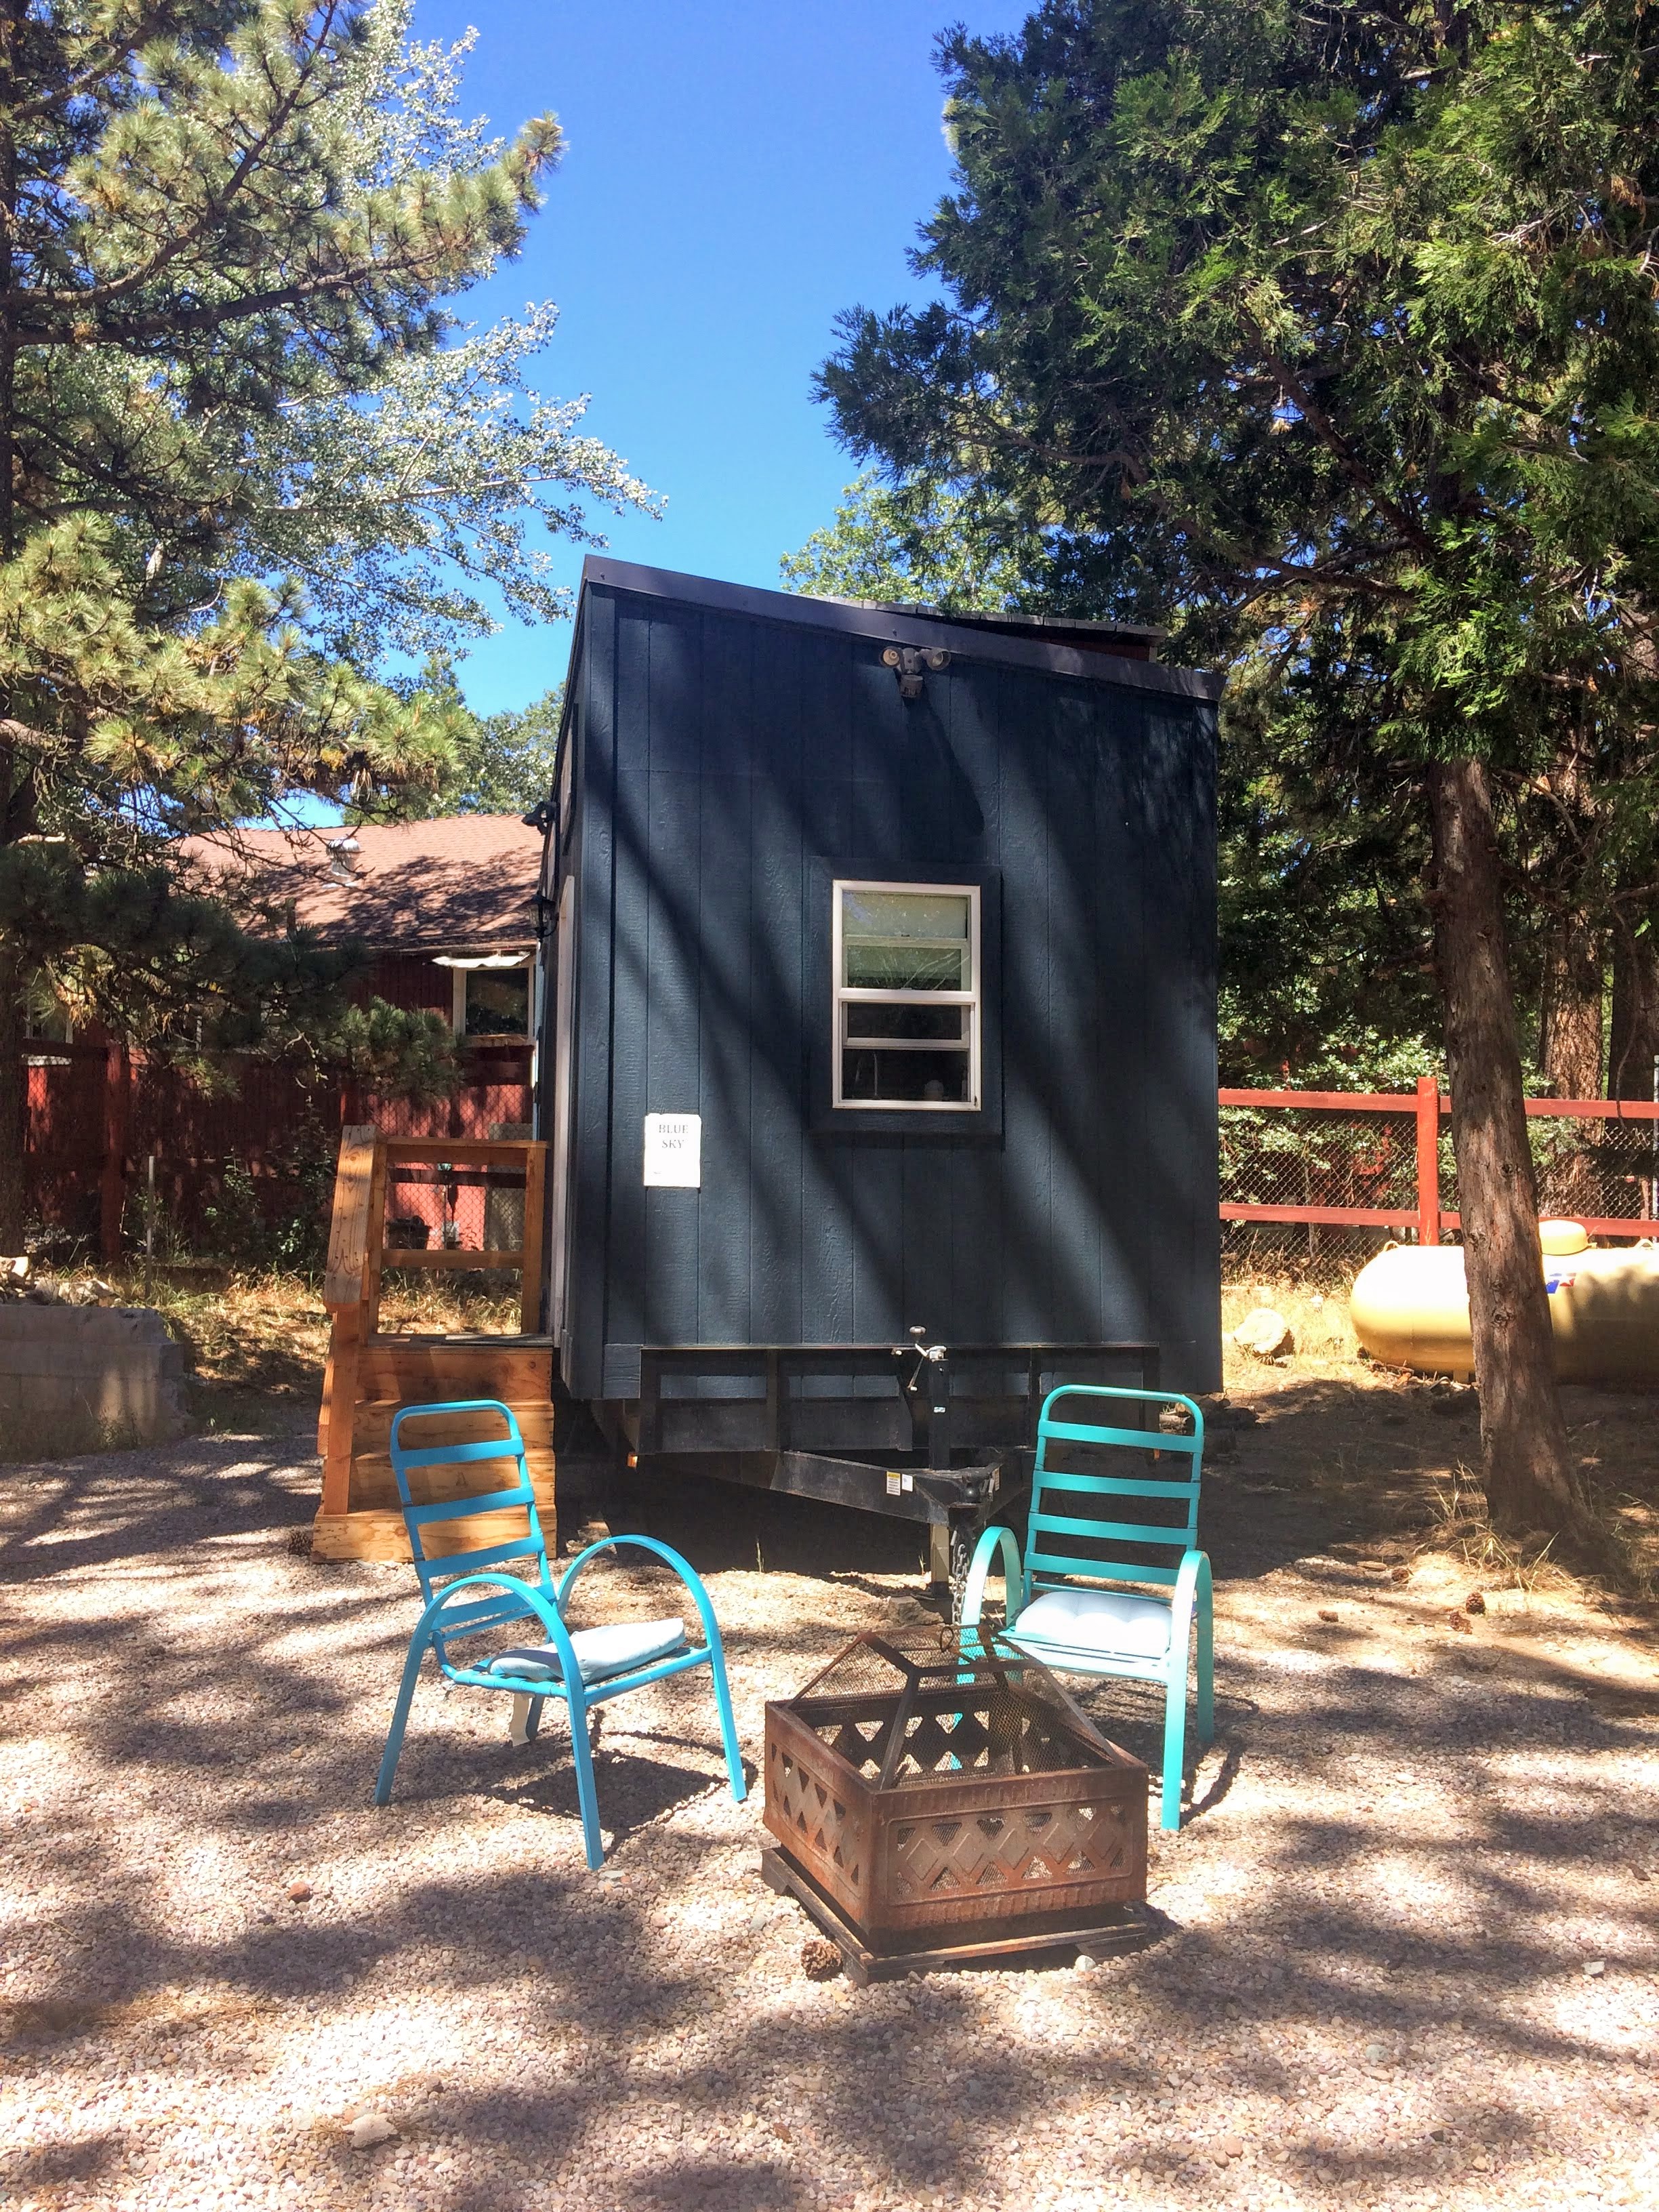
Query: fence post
[
  {"x": 113, "y": 1183},
  {"x": 1428, "y": 1159}
]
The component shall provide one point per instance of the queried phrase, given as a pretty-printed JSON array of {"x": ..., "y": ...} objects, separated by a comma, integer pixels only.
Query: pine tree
[
  {"x": 1332, "y": 330},
  {"x": 226, "y": 228},
  {"x": 499, "y": 763}
]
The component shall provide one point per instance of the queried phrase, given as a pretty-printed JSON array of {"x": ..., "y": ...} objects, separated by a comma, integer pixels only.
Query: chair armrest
[
  {"x": 686, "y": 1572},
  {"x": 1193, "y": 1587},
  {"x": 979, "y": 1568}
]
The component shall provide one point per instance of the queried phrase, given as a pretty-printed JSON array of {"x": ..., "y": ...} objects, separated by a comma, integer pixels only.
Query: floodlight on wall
[{"x": 910, "y": 666}]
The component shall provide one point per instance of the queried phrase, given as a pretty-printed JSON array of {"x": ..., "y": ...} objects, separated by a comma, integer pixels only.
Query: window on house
[
  {"x": 908, "y": 996},
  {"x": 498, "y": 1003},
  {"x": 489, "y": 1000}
]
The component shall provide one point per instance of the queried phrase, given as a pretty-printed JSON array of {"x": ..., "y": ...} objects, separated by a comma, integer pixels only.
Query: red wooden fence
[
  {"x": 98, "y": 1115},
  {"x": 1607, "y": 1151}
]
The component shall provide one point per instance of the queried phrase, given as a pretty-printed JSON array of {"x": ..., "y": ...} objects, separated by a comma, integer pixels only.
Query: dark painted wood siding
[{"x": 717, "y": 754}]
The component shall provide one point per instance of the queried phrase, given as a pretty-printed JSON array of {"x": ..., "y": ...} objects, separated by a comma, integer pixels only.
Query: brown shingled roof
[{"x": 463, "y": 881}]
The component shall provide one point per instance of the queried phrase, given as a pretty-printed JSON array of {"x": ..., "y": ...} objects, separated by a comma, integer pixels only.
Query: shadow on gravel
[
  {"x": 116, "y": 1506},
  {"x": 1310, "y": 1937}
]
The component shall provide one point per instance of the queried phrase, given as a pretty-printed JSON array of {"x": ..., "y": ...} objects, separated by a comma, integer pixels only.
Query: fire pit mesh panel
[{"x": 955, "y": 1709}]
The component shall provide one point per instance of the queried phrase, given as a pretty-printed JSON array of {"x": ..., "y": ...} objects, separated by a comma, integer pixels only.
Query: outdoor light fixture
[{"x": 911, "y": 665}]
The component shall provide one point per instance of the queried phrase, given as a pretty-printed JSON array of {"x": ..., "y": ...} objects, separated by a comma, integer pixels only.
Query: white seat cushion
[
  {"x": 1094, "y": 1623},
  {"x": 600, "y": 1652}
]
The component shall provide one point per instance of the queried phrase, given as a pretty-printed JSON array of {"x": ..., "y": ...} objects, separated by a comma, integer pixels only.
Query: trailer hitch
[{"x": 926, "y": 1387}]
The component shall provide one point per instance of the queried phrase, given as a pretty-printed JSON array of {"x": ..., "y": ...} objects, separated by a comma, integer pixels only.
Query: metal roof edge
[{"x": 850, "y": 619}]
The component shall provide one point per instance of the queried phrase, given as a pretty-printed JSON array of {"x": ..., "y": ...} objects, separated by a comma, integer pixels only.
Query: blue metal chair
[
  {"x": 585, "y": 1667},
  {"x": 1057, "y": 1606}
]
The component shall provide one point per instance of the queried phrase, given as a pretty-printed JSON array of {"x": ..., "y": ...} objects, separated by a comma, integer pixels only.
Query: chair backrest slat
[
  {"x": 457, "y": 1509},
  {"x": 1108, "y": 1532},
  {"x": 451, "y": 1563},
  {"x": 1048, "y": 1571},
  {"x": 489, "y": 1612},
  {"x": 1151, "y": 1440},
  {"x": 1116, "y": 1485},
  {"x": 1068, "y": 1485},
  {"x": 457, "y": 1454}
]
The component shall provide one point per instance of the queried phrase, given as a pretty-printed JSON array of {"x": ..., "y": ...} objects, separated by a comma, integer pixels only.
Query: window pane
[
  {"x": 944, "y": 1025},
  {"x": 498, "y": 1002},
  {"x": 908, "y": 1079},
  {"x": 906, "y": 940}
]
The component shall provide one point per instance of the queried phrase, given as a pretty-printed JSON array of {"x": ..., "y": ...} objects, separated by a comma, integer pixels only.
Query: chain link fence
[{"x": 1313, "y": 1191}]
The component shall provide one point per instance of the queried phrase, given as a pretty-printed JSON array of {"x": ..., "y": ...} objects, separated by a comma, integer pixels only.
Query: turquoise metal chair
[
  {"x": 585, "y": 1667},
  {"x": 1068, "y": 1606}
]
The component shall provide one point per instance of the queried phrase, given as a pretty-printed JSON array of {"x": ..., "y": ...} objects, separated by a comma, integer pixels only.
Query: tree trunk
[
  {"x": 1634, "y": 1040},
  {"x": 1528, "y": 1478},
  {"x": 13, "y": 1101},
  {"x": 14, "y": 1077},
  {"x": 1569, "y": 1040},
  {"x": 1570, "y": 1048}
]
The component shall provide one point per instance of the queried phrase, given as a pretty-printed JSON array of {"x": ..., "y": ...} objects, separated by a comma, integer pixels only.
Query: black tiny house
[{"x": 879, "y": 1021}]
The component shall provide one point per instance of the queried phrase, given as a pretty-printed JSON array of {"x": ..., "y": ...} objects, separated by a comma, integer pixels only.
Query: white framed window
[
  {"x": 492, "y": 995},
  {"x": 908, "y": 996}
]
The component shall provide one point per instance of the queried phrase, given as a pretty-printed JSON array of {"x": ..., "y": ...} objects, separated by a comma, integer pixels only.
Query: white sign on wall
[{"x": 673, "y": 1152}]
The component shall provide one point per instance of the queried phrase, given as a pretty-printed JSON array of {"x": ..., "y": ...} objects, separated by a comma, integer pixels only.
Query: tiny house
[{"x": 876, "y": 1058}]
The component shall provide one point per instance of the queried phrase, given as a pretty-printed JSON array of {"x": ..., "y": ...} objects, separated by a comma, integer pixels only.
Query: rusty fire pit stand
[{"x": 937, "y": 1805}]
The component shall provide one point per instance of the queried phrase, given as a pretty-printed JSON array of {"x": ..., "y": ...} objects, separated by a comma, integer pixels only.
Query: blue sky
[{"x": 734, "y": 175}]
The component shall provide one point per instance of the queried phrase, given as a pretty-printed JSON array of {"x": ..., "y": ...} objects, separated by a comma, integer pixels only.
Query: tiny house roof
[
  {"x": 464, "y": 882},
  {"x": 1106, "y": 653}
]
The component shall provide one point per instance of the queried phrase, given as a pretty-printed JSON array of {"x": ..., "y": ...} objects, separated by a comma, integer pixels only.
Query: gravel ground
[{"x": 1410, "y": 1958}]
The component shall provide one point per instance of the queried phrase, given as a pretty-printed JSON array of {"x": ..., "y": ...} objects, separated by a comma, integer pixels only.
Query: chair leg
[
  {"x": 1206, "y": 1669},
  {"x": 394, "y": 1743},
  {"x": 532, "y": 1725},
  {"x": 587, "y": 1796},
  {"x": 1175, "y": 1749},
  {"x": 728, "y": 1728}
]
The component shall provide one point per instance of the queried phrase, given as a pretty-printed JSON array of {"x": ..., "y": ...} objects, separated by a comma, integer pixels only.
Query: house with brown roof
[{"x": 445, "y": 906}]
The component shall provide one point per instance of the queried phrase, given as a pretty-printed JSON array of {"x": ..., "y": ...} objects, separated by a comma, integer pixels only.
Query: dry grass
[
  {"x": 1610, "y": 1429},
  {"x": 1323, "y": 1333},
  {"x": 1463, "y": 1530}
]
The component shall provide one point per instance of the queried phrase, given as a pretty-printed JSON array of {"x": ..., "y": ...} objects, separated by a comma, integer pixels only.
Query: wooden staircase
[{"x": 370, "y": 1375}]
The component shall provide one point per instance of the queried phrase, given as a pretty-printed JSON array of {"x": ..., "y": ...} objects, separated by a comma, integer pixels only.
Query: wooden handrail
[
  {"x": 465, "y": 1149},
  {"x": 348, "y": 1229}
]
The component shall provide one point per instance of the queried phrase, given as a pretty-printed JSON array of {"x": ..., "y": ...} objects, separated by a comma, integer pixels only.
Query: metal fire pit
[{"x": 937, "y": 1805}]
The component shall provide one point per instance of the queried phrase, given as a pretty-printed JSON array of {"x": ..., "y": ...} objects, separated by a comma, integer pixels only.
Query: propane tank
[{"x": 1410, "y": 1308}]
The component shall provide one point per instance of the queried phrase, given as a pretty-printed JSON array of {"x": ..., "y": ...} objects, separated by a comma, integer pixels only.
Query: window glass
[
  {"x": 498, "y": 1002},
  {"x": 907, "y": 940},
  {"x": 902, "y": 951}
]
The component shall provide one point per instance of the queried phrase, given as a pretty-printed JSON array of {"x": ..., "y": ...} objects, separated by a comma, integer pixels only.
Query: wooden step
[
  {"x": 371, "y": 1431},
  {"x": 428, "y": 1370}
]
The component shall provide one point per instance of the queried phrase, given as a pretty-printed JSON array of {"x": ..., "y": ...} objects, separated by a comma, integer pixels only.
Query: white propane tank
[{"x": 1410, "y": 1308}]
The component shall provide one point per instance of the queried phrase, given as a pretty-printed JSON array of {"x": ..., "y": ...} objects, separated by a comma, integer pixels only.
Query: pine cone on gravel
[{"x": 820, "y": 1961}]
